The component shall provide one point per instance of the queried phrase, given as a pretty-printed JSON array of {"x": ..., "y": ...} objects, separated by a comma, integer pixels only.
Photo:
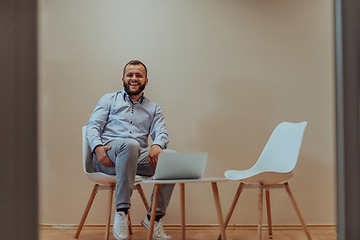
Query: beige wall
[{"x": 225, "y": 73}]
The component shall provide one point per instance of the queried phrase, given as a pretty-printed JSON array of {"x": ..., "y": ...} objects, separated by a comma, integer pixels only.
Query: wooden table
[{"x": 182, "y": 182}]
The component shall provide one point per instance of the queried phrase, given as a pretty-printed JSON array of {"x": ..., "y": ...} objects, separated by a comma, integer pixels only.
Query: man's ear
[{"x": 146, "y": 82}]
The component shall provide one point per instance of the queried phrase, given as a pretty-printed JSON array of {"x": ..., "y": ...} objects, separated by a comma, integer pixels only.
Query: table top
[{"x": 197, "y": 180}]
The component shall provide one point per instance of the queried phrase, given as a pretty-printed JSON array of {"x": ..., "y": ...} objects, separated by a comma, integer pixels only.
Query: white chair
[
  {"x": 103, "y": 182},
  {"x": 275, "y": 165}
]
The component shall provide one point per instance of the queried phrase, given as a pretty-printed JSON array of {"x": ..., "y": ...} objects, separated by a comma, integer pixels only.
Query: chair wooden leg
[
  {"x": 153, "y": 211},
  {"x": 87, "y": 209},
  {"x": 260, "y": 206},
  {"x": 182, "y": 209},
  {"x": 142, "y": 195},
  {"x": 111, "y": 194},
  {"x": 268, "y": 207},
  {"x": 232, "y": 207},
  {"x": 297, "y": 210},
  {"x": 218, "y": 210}
]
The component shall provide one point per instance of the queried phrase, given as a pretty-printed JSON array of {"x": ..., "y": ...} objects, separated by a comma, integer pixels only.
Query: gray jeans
[{"x": 131, "y": 160}]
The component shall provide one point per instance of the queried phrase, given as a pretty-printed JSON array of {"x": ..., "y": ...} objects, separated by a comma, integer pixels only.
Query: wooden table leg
[
  {"x": 111, "y": 194},
  {"x": 232, "y": 207},
  {"x": 297, "y": 210},
  {"x": 268, "y": 207},
  {"x": 182, "y": 209},
  {"x": 218, "y": 210},
  {"x": 153, "y": 211},
  {"x": 261, "y": 188}
]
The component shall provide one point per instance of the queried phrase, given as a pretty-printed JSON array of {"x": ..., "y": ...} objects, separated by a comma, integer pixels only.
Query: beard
[{"x": 130, "y": 92}]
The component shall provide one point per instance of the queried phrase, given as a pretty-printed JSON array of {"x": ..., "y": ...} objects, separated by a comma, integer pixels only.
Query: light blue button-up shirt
[{"x": 116, "y": 116}]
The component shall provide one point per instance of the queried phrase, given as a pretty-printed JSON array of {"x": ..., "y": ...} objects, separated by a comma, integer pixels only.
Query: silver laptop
[{"x": 180, "y": 165}]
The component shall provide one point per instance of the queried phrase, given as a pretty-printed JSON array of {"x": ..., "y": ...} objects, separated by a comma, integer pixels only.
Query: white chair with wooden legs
[
  {"x": 103, "y": 182},
  {"x": 275, "y": 165}
]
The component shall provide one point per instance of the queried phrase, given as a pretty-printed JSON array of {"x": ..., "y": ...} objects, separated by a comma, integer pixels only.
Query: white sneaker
[
  {"x": 158, "y": 233},
  {"x": 120, "y": 228}
]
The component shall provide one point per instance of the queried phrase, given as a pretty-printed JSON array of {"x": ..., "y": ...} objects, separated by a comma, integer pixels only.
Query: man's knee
[
  {"x": 124, "y": 144},
  {"x": 128, "y": 148},
  {"x": 131, "y": 145}
]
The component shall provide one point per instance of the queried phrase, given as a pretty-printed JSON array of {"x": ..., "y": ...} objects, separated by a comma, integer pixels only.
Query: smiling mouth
[{"x": 134, "y": 84}]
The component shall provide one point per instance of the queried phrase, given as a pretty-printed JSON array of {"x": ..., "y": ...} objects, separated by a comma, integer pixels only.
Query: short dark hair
[{"x": 135, "y": 62}]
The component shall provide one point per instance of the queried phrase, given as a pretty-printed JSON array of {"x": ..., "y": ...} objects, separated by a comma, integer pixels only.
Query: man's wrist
[
  {"x": 96, "y": 147},
  {"x": 155, "y": 144}
]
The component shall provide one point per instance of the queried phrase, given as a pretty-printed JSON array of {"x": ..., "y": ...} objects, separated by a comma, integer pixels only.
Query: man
[{"x": 117, "y": 132}]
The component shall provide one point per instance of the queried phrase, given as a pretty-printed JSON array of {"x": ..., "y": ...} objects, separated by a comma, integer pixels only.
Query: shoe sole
[
  {"x": 143, "y": 223},
  {"x": 119, "y": 238}
]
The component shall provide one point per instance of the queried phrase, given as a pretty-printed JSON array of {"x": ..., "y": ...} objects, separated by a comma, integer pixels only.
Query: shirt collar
[{"x": 126, "y": 96}]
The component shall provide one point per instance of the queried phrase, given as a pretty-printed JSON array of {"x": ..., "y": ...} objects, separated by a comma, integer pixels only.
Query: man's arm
[
  {"x": 159, "y": 136},
  {"x": 98, "y": 120},
  {"x": 95, "y": 126},
  {"x": 155, "y": 150}
]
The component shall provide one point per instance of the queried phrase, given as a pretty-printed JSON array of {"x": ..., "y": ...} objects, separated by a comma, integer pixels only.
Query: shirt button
[
  {"x": 131, "y": 122},
  {"x": 130, "y": 132}
]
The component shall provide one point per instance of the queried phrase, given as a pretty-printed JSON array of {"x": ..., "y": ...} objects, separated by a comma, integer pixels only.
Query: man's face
[{"x": 134, "y": 79}]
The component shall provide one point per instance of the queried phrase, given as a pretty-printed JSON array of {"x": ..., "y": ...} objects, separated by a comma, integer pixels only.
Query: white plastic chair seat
[
  {"x": 255, "y": 177},
  {"x": 278, "y": 159},
  {"x": 105, "y": 179}
]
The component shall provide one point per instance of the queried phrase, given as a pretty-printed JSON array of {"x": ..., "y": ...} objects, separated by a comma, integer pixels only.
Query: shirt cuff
[
  {"x": 162, "y": 145},
  {"x": 95, "y": 147}
]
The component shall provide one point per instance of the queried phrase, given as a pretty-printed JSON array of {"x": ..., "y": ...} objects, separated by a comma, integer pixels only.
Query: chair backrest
[
  {"x": 87, "y": 154},
  {"x": 282, "y": 149}
]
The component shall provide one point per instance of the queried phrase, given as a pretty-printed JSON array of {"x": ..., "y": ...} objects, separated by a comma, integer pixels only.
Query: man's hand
[
  {"x": 102, "y": 157},
  {"x": 155, "y": 150}
]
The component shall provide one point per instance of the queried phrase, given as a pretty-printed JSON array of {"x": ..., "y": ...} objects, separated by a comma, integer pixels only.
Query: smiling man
[{"x": 117, "y": 132}]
